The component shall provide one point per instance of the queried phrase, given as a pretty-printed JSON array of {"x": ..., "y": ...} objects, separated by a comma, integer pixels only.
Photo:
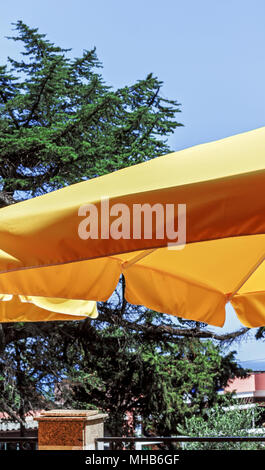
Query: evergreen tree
[{"x": 60, "y": 123}]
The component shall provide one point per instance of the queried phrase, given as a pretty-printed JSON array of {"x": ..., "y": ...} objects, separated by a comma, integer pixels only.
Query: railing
[
  {"x": 166, "y": 443},
  {"x": 18, "y": 443},
  {"x": 136, "y": 443}
]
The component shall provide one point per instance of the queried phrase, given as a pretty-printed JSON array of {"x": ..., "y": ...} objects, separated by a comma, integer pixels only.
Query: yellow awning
[
  {"x": 16, "y": 308},
  {"x": 222, "y": 184}
]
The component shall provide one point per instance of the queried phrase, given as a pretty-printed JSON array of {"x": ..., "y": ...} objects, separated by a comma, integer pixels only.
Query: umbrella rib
[
  {"x": 138, "y": 257},
  {"x": 246, "y": 277}
]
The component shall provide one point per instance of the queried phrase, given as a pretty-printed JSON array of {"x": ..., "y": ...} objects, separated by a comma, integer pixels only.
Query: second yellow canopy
[{"x": 20, "y": 308}]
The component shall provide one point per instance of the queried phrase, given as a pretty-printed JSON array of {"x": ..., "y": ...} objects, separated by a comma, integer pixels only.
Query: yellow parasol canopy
[
  {"x": 222, "y": 184},
  {"x": 15, "y": 308}
]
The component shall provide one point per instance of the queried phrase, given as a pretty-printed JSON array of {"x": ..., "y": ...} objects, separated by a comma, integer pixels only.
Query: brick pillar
[{"x": 69, "y": 429}]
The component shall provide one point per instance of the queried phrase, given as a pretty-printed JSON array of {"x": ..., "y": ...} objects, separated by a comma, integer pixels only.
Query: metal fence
[
  {"x": 18, "y": 443},
  {"x": 131, "y": 443}
]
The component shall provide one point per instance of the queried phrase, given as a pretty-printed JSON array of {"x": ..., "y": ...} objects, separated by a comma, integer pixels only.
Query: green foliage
[{"x": 225, "y": 419}]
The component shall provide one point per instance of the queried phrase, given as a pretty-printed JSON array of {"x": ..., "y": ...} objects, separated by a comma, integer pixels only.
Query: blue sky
[{"x": 210, "y": 54}]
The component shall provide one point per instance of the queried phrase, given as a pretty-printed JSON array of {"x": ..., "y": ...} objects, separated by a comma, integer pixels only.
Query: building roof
[
  {"x": 6, "y": 424},
  {"x": 253, "y": 385}
]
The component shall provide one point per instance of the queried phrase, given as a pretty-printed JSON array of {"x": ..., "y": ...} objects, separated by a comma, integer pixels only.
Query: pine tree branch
[
  {"x": 164, "y": 330},
  {"x": 37, "y": 101},
  {"x": 153, "y": 98},
  {"x": 10, "y": 412},
  {"x": 88, "y": 117},
  {"x": 10, "y": 112}
]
